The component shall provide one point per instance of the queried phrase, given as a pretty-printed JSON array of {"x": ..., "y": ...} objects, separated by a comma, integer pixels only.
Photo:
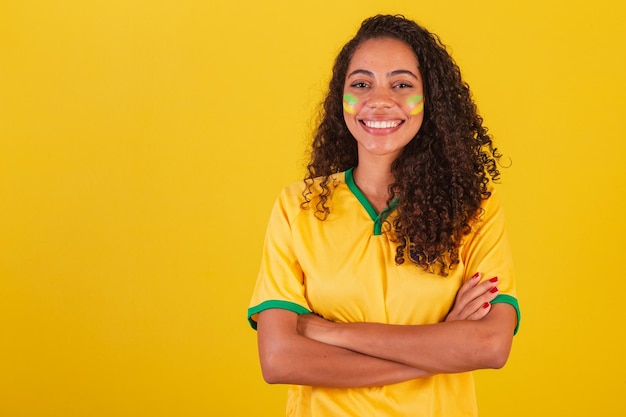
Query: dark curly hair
[{"x": 441, "y": 176}]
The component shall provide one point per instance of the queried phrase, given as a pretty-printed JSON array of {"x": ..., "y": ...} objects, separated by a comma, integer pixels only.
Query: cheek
[
  {"x": 415, "y": 104},
  {"x": 350, "y": 103}
]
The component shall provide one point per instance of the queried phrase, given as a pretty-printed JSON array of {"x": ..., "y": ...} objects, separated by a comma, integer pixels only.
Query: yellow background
[{"x": 142, "y": 144}]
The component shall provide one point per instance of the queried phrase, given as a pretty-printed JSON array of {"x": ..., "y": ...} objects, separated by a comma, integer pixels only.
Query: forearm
[
  {"x": 444, "y": 347},
  {"x": 449, "y": 347},
  {"x": 290, "y": 358}
]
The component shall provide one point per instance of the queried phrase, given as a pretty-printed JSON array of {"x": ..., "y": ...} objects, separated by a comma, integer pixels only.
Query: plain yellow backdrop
[{"x": 142, "y": 144}]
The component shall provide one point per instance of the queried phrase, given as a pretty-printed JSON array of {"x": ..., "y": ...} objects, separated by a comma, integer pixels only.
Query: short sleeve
[
  {"x": 488, "y": 251},
  {"x": 280, "y": 282}
]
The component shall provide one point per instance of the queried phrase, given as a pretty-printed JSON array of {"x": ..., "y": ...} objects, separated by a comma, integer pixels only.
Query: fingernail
[
  {"x": 475, "y": 275},
  {"x": 494, "y": 290},
  {"x": 494, "y": 279},
  {"x": 486, "y": 305}
]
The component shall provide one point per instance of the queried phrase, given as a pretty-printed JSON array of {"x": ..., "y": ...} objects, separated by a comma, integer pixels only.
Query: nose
[{"x": 380, "y": 98}]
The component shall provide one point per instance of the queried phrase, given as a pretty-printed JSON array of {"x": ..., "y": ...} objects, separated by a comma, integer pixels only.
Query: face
[{"x": 383, "y": 98}]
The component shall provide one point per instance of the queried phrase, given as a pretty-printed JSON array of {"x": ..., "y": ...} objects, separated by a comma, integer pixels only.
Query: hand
[{"x": 473, "y": 300}]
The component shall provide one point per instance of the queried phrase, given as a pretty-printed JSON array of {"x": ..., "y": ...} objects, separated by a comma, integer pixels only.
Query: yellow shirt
[{"x": 343, "y": 269}]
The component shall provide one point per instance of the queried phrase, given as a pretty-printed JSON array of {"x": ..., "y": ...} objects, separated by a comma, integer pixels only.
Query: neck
[{"x": 374, "y": 180}]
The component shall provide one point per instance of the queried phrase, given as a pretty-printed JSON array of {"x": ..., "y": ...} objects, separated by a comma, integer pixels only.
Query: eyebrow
[{"x": 389, "y": 74}]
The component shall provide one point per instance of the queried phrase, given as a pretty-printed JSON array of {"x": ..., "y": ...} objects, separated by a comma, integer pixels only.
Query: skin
[
  {"x": 434, "y": 348},
  {"x": 383, "y": 74},
  {"x": 384, "y": 77},
  {"x": 417, "y": 103},
  {"x": 349, "y": 101},
  {"x": 308, "y": 350}
]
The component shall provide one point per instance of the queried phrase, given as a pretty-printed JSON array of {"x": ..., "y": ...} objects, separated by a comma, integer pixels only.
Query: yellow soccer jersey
[{"x": 343, "y": 269}]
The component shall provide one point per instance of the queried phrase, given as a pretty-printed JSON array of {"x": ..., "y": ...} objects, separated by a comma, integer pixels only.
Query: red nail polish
[
  {"x": 475, "y": 275},
  {"x": 494, "y": 279},
  {"x": 486, "y": 305},
  {"x": 494, "y": 290}
]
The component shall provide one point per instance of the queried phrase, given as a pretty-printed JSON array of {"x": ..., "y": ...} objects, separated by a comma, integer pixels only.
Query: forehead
[{"x": 383, "y": 53}]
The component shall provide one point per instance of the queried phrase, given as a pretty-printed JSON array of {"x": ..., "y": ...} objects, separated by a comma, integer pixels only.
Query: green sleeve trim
[
  {"x": 266, "y": 305},
  {"x": 509, "y": 299}
]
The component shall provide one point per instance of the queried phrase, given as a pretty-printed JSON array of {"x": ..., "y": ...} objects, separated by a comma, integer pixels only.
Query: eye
[
  {"x": 403, "y": 85},
  {"x": 359, "y": 84}
]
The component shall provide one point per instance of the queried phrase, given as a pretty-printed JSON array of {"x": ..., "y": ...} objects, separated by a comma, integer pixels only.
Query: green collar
[{"x": 378, "y": 218}]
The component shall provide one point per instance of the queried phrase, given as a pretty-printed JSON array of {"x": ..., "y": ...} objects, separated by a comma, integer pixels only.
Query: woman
[{"x": 386, "y": 275}]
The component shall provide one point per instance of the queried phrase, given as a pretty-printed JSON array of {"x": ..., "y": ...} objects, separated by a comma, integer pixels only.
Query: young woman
[{"x": 386, "y": 275}]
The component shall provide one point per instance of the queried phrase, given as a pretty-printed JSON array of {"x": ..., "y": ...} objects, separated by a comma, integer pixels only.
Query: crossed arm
[{"x": 308, "y": 350}]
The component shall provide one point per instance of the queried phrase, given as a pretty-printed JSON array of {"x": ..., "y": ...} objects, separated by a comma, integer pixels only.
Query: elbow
[
  {"x": 271, "y": 375},
  {"x": 273, "y": 367},
  {"x": 270, "y": 372},
  {"x": 496, "y": 352},
  {"x": 495, "y": 333},
  {"x": 498, "y": 360}
]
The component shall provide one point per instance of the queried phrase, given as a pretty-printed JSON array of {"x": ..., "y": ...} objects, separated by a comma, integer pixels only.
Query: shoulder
[
  {"x": 491, "y": 212},
  {"x": 308, "y": 189},
  {"x": 295, "y": 196},
  {"x": 493, "y": 202}
]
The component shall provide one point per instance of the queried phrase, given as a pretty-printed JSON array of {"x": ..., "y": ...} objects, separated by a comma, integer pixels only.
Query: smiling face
[{"x": 383, "y": 97}]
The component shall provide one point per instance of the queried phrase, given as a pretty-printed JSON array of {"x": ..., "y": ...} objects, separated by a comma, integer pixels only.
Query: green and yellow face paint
[
  {"x": 349, "y": 101},
  {"x": 415, "y": 103}
]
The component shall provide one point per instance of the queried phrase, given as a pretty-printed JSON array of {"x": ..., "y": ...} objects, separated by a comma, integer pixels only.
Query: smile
[{"x": 381, "y": 124}]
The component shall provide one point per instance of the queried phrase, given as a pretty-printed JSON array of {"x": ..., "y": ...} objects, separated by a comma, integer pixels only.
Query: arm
[
  {"x": 448, "y": 347},
  {"x": 476, "y": 334},
  {"x": 473, "y": 300},
  {"x": 285, "y": 356},
  {"x": 289, "y": 358}
]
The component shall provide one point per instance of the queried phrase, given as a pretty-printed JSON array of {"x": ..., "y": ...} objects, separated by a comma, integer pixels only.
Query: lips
[{"x": 381, "y": 124}]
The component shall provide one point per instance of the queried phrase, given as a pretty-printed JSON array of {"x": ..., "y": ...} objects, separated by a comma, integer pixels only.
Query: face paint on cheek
[
  {"x": 416, "y": 104},
  {"x": 349, "y": 101}
]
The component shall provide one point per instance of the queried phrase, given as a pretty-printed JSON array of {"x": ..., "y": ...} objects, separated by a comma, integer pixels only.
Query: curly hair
[{"x": 442, "y": 174}]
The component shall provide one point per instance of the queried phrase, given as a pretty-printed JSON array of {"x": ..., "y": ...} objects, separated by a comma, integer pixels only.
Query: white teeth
[{"x": 381, "y": 124}]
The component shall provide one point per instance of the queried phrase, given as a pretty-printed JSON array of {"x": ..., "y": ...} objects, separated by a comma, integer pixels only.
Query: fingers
[
  {"x": 484, "y": 291},
  {"x": 480, "y": 312},
  {"x": 473, "y": 299},
  {"x": 473, "y": 288},
  {"x": 469, "y": 285}
]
